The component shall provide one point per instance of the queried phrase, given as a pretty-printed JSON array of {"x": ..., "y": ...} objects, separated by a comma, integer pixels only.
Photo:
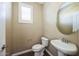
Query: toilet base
[{"x": 40, "y": 53}]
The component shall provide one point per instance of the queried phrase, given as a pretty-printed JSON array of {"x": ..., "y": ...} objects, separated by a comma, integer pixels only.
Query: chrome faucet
[{"x": 64, "y": 40}]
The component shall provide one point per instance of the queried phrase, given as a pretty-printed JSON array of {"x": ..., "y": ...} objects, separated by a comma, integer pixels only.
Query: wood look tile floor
[{"x": 32, "y": 54}]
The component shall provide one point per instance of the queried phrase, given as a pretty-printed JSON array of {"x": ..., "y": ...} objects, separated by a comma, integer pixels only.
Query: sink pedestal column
[{"x": 60, "y": 53}]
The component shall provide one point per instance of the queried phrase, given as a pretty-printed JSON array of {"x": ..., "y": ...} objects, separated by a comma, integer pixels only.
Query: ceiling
[{"x": 41, "y": 2}]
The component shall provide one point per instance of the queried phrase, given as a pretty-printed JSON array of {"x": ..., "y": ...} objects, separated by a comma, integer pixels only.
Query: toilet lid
[{"x": 37, "y": 47}]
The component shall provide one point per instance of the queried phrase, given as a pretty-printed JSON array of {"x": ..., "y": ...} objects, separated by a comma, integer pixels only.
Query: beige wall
[
  {"x": 9, "y": 29},
  {"x": 50, "y": 29},
  {"x": 24, "y": 36}
]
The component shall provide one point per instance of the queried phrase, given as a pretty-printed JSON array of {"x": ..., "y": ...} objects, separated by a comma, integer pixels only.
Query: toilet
[{"x": 38, "y": 49}]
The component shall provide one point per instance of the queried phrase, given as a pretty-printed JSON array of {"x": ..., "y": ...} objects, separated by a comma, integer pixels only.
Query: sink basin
[{"x": 65, "y": 48}]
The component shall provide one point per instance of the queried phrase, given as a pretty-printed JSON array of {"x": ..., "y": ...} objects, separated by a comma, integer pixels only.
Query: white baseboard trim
[
  {"x": 26, "y": 51},
  {"x": 22, "y": 52},
  {"x": 49, "y": 52}
]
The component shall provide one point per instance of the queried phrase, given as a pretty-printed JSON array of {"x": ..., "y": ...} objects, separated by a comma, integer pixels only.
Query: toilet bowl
[{"x": 38, "y": 49}]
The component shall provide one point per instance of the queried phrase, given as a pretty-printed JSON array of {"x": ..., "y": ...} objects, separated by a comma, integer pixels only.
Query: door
[{"x": 2, "y": 28}]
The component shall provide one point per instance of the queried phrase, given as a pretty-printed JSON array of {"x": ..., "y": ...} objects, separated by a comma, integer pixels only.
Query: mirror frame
[{"x": 61, "y": 27}]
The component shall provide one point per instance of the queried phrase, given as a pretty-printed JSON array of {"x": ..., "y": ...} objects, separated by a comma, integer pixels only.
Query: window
[{"x": 25, "y": 13}]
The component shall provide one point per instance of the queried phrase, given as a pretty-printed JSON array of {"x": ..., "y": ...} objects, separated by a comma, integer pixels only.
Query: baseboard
[
  {"x": 22, "y": 52},
  {"x": 49, "y": 52},
  {"x": 26, "y": 51}
]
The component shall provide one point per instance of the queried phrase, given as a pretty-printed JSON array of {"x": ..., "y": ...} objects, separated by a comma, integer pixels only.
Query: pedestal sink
[{"x": 64, "y": 47}]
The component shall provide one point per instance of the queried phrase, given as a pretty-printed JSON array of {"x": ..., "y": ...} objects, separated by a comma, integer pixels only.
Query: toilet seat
[{"x": 37, "y": 47}]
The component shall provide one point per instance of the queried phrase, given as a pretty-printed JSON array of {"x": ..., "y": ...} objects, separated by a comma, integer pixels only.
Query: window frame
[{"x": 19, "y": 13}]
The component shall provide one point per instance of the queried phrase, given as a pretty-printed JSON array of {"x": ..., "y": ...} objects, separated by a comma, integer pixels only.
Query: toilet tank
[{"x": 44, "y": 41}]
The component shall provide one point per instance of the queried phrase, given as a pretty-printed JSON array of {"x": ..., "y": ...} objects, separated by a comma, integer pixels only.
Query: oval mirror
[{"x": 66, "y": 16}]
